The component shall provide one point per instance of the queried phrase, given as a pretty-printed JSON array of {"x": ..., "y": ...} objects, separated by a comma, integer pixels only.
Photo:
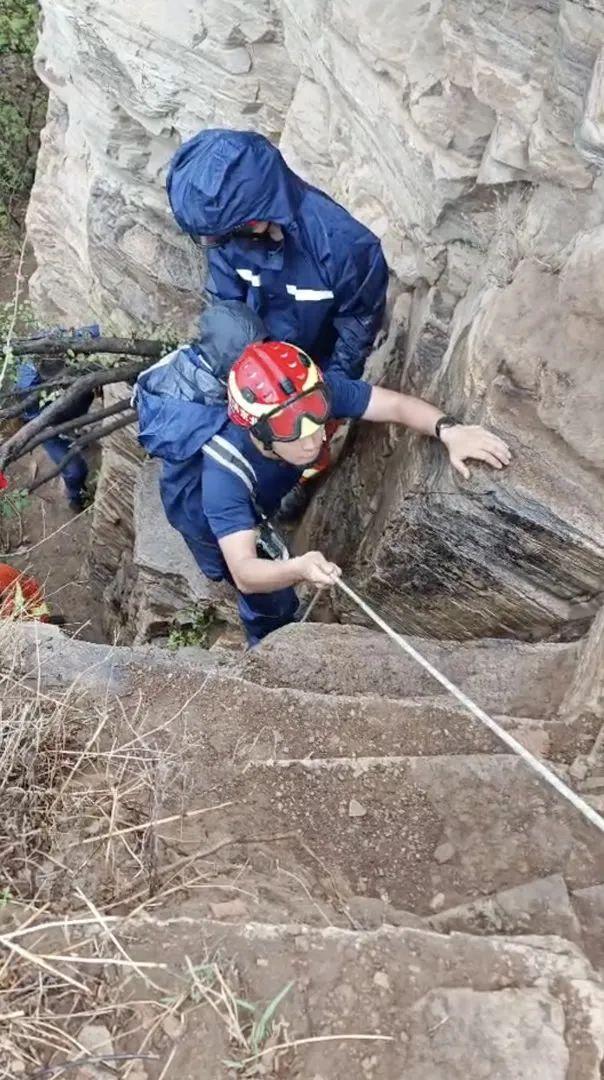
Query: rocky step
[
  {"x": 537, "y": 907},
  {"x": 508, "y": 677},
  {"x": 447, "y": 1008},
  {"x": 544, "y": 906},
  {"x": 244, "y": 719},
  {"x": 422, "y": 833},
  {"x": 48, "y": 656}
]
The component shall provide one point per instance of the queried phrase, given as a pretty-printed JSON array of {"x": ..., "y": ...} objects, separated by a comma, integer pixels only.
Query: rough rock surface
[
  {"x": 470, "y": 138},
  {"x": 113, "y": 522},
  {"x": 163, "y": 579},
  {"x": 36, "y": 651}
]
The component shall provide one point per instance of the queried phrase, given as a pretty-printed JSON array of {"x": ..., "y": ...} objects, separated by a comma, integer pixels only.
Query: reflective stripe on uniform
[
  {"x": 309, "y": 294},
  {"x": 249, "y": 276},
  {"x": 218, "y": 455}
]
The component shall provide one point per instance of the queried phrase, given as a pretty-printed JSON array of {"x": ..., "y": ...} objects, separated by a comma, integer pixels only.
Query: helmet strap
[{"x": 262, "y": 432}]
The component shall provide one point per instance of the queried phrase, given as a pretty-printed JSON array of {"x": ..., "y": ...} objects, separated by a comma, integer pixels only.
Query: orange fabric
[{"x": 20, "y": 596}]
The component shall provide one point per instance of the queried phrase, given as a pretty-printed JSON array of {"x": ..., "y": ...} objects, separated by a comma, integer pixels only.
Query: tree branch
[
  {"x": 80, "y": 444},
  {"x": 29, "y": 396},
  {"x": 70, "y": 425},
  {"x": 88, "y": 346},
  {"x": 10, "y": 450}
]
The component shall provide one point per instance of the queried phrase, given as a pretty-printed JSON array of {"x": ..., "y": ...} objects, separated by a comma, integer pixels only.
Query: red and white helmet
[{"x": 277, "y": 390}]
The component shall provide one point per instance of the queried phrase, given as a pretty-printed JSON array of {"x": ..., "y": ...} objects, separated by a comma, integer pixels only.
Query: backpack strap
[{"x": 229, "y": 457}]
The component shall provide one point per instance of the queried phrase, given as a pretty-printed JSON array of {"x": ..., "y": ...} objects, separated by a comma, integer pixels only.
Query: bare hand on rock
[{"x": 472, "y": 441}]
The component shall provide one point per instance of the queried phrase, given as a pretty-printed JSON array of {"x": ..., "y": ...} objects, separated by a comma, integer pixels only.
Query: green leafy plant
[
  {"x": 192, "y": 626},
  {"x": 18, "y": 324},
  {"x": 18, "y": 26},
  {"x": 13, "y": 504},
  {"x": 254, "y": 1032},
  {"x": 22, "y": 110}
]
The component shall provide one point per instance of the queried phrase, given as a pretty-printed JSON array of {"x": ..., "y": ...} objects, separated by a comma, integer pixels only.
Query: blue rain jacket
[
  {"x": 323, "y": 288},
  {"x": 181, "y": 404}
]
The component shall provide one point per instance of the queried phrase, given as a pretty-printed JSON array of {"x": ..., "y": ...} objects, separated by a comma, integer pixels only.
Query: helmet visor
[{"x": 285, "y": 423}]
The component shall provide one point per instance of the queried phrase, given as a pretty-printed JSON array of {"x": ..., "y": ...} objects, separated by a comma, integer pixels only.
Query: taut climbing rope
[{"x": 534, "y": 763}]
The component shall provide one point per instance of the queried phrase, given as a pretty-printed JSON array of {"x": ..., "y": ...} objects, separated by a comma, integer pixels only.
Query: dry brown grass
[{"x": 81, "y": 788}]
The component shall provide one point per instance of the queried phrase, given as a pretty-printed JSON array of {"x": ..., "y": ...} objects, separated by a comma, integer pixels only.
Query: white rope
[
  {"x": 312, "y": 603},
  {"x": 546, "y": 774}
]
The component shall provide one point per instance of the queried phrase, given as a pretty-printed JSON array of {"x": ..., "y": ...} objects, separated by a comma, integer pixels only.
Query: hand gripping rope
[{"x": 544, "y": 772}]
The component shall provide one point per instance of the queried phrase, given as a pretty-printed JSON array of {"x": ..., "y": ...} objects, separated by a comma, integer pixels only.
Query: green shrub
[
  {"x": 22, "y": 109},
  {"x": 18, "y": 26},
  {"x": 193, "y": 626}
]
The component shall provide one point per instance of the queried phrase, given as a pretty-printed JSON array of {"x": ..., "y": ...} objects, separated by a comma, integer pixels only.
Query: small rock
[
  {"x": 444, "y": 853},
  {"x": 229, "y": 909},
  {"x": 437, "y": 901},
  {"x": 381, "y": 979},
  {"x": 593, "y": 784},
  {"x": 534, "y": 739},
  {"x": 356, "y": 809},
  {"x": 172, "y": 1026},
  {"x": 138, "y": 1072},
  {"x": 95, "y": 1039},
  {"x": 578, "y": 769}
]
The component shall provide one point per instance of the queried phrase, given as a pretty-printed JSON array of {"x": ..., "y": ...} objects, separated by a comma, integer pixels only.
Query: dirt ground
[{"x": 50, "y": 542}]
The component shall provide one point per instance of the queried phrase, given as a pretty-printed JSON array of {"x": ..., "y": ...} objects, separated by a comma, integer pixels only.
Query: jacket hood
[
  {"x": 225, "y": 330},
  {"x": 181, "y": 400},
  {"x": 221, "y": 179}
]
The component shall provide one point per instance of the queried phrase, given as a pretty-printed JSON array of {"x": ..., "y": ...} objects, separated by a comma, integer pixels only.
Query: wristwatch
[{"x": 444, "y": 422}]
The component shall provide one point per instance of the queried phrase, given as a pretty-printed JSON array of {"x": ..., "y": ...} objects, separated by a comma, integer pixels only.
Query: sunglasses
[{"x": 284, "y": 424}]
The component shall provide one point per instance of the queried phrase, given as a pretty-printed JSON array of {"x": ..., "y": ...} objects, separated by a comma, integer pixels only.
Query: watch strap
[{"x": 445, "y": 422}]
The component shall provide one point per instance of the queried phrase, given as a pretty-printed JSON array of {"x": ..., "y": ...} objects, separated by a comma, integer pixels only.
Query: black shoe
[
  {"x": 77, "y": 505},
  {"x": 294, "y": 504}
]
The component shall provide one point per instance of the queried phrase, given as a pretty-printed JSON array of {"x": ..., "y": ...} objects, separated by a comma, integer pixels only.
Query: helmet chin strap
[{"x": 262, "y": 433}]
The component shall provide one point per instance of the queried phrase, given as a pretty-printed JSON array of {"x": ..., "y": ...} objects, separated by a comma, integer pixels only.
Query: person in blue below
[
  {"x": 237, "y": 419},
  {"x": 75, "y": 471},
  {"x": 313, "y": 273}
]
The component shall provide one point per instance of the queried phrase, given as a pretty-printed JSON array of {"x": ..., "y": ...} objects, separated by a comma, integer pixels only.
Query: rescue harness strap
[{"x": 533, "y": 762}]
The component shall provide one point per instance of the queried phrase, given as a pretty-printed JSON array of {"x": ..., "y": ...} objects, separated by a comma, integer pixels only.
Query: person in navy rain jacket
[{"x": 314, "y": 274}]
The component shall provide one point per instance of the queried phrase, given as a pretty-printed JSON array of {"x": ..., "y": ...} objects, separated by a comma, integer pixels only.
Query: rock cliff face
[{"x": 470, "y": 137}]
